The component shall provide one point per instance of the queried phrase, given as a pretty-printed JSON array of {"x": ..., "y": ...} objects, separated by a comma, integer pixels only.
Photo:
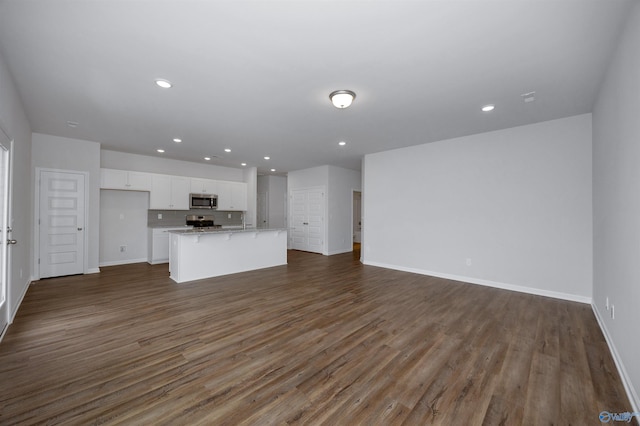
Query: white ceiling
[{"x": 255, "y": 76}]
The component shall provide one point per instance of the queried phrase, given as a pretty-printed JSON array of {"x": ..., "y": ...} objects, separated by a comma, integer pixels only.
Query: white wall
[
  {"x": 123, "y": 222},
  {"x": 276, "y": 189},
  {"x": 616, "y": 204},
  {"x": 250, "y": 176},
  {"x": 342, "y": 183},
  {"x": 55, "y": 152},
  {"x": 516, "y": 202},
  {"x": 14, "y": 122},
  {"x": 144, "y": 163}
]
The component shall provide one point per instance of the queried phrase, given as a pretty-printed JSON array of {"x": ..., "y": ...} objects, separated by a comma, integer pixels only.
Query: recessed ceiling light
[
  {"x": 528, "y": 97},
  {"x": 342, "y": 143},
  {"x": 165, "y": 84},
  {"x": 488, "y": 108},
  {"x": 273, "y": 170},
  {"x": 267, "y": 158},
  {"x": 160, "y": 150},
  {"x": 227, "y": 150},
  {"x": 243, "y": 164},
  {"x": 177, "y": 140},
  {"x": 207, "y": 158},
  {"x": 73, "y": 124}
]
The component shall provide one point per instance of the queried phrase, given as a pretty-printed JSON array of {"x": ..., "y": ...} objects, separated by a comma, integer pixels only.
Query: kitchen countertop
[{"x": 195, "y": 231}]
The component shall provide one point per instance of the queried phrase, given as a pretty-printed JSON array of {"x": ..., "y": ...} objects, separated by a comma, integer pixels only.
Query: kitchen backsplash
[{"x": 177, "y": 217}]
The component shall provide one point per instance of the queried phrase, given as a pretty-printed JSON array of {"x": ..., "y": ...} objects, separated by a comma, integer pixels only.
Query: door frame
[
  {"x": 353, "y": 193},
  {"x": 6, "y": 260},
  {"x": 36, "y": 219}
]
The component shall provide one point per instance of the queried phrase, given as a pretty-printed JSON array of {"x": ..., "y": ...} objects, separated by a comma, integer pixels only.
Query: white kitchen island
[{"x": 194, "y": 255}]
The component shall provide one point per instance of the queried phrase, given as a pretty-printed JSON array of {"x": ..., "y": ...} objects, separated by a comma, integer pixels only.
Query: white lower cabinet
[{"x": 158, "y": 245}]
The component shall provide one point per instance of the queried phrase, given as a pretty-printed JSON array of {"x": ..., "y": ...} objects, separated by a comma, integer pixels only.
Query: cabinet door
[
  {"x": 113, "y": 179},
  {"x": 139, "y": 181},
  {"x": 239, "y": 196},
  {"x": 160, "y": 197},
  {"x": 180, "y": 187},
  {"x": 204, "y": 186},
  {"x": 232, "y": 196}
]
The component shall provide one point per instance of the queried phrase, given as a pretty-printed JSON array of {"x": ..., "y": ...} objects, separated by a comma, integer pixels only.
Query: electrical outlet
[
  {"x": 613, "y": 312},
  {"x": 123, "y": 249},
  {"x": 468, "y": 261},
  {"x": 606, "y": 303},
  {"x": 229, "y": 216},
  {"x": 121, "y": 216},
  {"x": 159, "y": 215},
  {"x": 20, "y": 272}
]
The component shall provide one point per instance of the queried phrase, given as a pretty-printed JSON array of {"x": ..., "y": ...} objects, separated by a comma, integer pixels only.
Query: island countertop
[{"x": 196, "y": 231}]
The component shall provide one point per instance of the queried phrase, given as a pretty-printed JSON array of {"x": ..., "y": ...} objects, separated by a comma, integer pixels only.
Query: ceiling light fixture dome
[
  {"x": 165, "y": 84},
  {"x": 342, "y": 98}
]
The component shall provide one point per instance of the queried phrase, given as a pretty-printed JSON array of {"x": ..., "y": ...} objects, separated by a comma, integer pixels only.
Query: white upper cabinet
[
  {"x": 204, "y": 186},
  {"x": 232, "y": 196},
  {"x": 125, "y": 180},
  {"x": 169, "y": 192}
]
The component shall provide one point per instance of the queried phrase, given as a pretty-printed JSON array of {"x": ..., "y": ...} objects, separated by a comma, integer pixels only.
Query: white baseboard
[
  {"x": 504, "y": 286},
  {"x": 122, "y": 262},
  {"x": 626, "y": 380},
  {"x": 347, "y": 250},
  {"x": 12, "y": 314}
]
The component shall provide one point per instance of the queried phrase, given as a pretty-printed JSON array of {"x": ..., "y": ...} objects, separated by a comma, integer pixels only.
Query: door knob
[{"x": 12, "y": 241}]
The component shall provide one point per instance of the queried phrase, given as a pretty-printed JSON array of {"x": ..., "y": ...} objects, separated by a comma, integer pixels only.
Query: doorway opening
[{"x": 357, "y": 221}]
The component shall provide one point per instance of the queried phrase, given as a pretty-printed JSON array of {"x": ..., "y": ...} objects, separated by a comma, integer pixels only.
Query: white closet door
[
  {"x": 307, "y": 219},
  {"x": 62, "y": 224}
]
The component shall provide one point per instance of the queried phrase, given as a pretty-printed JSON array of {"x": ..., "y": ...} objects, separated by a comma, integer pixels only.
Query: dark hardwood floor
[{"x": 323, "y": 340}]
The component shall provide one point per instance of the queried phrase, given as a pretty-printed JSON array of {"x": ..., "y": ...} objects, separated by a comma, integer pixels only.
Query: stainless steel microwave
[{"x": 203, "y": 201}]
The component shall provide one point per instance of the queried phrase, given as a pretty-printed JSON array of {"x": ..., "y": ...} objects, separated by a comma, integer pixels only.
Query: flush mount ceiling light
[
  {"x": 488, "y": 108},
  {"x": 165, "y": 84},
  {"x": 342, "y": 98}
]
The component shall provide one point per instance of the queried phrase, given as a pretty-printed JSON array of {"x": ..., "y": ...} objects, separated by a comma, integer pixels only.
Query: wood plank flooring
[{"x": 323, "y": 340}]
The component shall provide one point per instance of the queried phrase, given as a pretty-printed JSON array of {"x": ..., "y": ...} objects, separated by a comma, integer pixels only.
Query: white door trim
[
  {"x": 36, "y": 216},
  {"x": 6, "y": 143}
]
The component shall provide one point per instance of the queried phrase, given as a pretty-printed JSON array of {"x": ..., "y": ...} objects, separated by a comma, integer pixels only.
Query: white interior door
[
  {"x": 315, "y": 220},
  {"x": 62, "y": 210},
  {"x": 307, "y": 219},
  {"x": 299, "y": 232},
  {"x": 5, "y": 231}
]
